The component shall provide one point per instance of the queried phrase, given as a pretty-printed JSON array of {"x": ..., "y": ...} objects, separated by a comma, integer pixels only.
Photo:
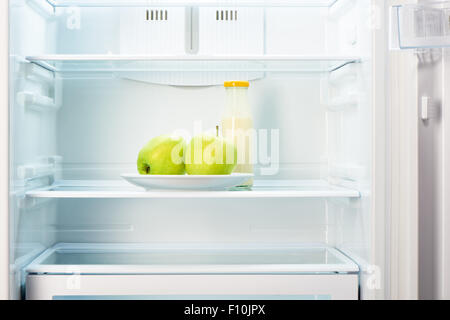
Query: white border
[
  {"x": 403, "y": 117},
  {"x": 374, "y": 280},
  {"x": 4, "y": 150}
]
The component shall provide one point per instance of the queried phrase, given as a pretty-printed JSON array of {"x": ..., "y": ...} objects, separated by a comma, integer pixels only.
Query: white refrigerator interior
[{"x": 92, "y": 81}]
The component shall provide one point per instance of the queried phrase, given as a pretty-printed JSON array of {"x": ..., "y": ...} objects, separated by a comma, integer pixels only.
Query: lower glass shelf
[
  {"x": 183, "y": 258},
  {"x": 262, "y": 189}
]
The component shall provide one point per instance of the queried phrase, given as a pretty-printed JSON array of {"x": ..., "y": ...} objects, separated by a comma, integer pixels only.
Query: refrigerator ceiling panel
[{"x": 194, "y": 3}]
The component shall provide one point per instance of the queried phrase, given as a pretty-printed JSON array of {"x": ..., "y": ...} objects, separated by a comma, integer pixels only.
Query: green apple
[
  {"x": 163, "y": 155},
  {"x": 210, "y": 155}
]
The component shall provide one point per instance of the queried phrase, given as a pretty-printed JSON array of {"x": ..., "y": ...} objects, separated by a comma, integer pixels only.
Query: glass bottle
[{"x": 237, "y": 126}]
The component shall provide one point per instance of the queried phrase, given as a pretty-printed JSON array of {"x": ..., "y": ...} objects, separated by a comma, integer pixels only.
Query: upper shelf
[
  {"x": 123, "y": 190},
  {"x": 415, "y": 26},
  {"x": 194, "y": 3},
  {"x": 139, "y": 63}
]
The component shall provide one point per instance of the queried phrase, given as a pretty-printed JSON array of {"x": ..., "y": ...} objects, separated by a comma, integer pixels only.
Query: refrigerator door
[
  {"x": 444, "y": 216},
  {"x": 434, "y": 160},
  {"x": 420, "y": 37},
  {"x": 4, "y": 151}
]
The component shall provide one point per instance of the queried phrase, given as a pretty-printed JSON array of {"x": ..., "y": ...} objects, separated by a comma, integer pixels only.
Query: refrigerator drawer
[
  {"x": 192, "y": 287},
  {"x": 191, "y": 271}
]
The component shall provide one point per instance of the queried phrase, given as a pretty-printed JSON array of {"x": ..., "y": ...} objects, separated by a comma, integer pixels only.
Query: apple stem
[{"x": 217, "y": 131}]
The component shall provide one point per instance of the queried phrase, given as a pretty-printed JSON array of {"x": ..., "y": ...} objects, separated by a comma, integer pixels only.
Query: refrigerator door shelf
[
  {"x": 416, "y": 26},
  {"x": 192, "y": 3},
  {"x": 80, "y": 189},
  {"x": 123, "y": 259}
]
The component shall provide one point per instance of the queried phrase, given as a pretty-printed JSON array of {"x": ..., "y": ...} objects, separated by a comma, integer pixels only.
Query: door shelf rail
[
  {"x": 343, "y": 103},
  {"x": 106, "y": 189},
  {"x": 37, "y": 102},
  {"x": 79, "y": 64}
]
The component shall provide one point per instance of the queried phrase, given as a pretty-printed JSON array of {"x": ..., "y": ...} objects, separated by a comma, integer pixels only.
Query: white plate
[{"x": 187, "y": 182}]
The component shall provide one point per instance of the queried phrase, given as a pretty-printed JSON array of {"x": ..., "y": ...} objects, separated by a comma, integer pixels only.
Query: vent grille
[
  {"x": 156, "y": 15},
  {"x": 226, "y": 15}
]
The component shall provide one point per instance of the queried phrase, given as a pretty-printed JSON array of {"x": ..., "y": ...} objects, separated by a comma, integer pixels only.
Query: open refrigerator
[{"x": 334, "y": 212}]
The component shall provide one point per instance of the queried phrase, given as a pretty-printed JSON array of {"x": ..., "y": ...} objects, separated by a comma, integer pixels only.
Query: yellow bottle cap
[{"x": 237, "y": 84}]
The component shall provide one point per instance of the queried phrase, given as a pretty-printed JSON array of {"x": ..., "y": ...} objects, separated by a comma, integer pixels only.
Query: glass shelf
[
  {"x": 194, "y": 3},
  {"x": 191, "y": 258},
  {"x": 79, "y": 64},
  {"x": 416, "y": 26},
  {"x": 262, "y": 189}
]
